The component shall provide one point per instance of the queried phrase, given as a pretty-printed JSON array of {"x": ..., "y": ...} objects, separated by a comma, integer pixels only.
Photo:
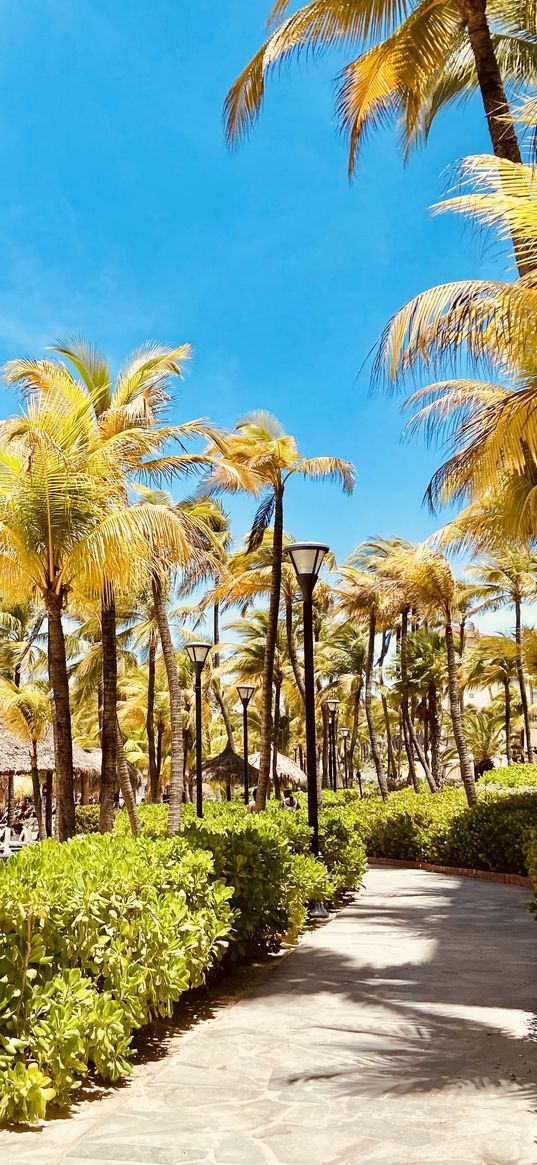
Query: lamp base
[{"x": 316, "y": 911}]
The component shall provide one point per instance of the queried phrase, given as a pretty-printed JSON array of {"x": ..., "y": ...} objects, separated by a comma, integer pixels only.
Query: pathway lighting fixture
[
  {"x": 332, "y": 706},
  {"x": 246, "y": 692},
  {"x": 345, "y": 736},
  {"x": 197, "y": 654},
  {"x": 307, "y": 559}
]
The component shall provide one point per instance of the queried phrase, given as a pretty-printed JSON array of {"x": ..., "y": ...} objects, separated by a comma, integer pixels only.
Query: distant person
[
  {"x": 289, "y": 801},
  {"x": 250, "y": 808}
]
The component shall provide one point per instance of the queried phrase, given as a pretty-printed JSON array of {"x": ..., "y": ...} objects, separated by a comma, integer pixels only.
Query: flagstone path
[{"x": 401, "y": 1033}]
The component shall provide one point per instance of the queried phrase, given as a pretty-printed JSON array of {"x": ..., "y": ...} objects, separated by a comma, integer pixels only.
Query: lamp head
[
  {"x": 197, "y": 654},
  {"x": 246, "y": 692},
  {"x": 307, "y": 559}
]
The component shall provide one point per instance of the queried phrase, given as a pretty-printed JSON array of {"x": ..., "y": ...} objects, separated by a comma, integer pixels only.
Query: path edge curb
[{"x": 481, "y": 875}]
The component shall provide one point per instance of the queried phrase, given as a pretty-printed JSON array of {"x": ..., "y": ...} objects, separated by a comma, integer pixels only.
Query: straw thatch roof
[
  {"x": 288, "y": 770},
  {"x": 15, "y": 756},
  {"x": 228, "y": 767}
]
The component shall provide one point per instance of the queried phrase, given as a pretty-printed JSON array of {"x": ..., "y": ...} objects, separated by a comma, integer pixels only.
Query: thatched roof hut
[
  {"x": 288, "y": 770},
  {"x": 228, "y": 769},
  {"x": 15, "y": 757}
]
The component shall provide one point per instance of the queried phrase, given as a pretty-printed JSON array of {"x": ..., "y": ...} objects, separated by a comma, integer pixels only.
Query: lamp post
[
  {"x": 197, "y": 654},
  {"x": 332, "y": 706},
  {"x": 345, "y": 736},
  {"x": 246, "y": 692},
  {"x": 307, "y": 558}
]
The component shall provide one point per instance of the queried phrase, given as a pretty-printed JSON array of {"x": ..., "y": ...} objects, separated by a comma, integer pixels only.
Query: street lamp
[
  {"x": 246, "y": 692},
  {"x": 345, "y": 737},
  {"x": 197, "y": 654},
  {"x": 332, "y": 706},
  {"x": 307, "y": 558}
]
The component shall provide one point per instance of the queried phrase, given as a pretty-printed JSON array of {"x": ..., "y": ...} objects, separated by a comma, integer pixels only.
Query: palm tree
[
  {"x": 259, "y": 457},
  {"x": 371, "y": 599},
  {"x": 26, "y": 711},
  {"x": 109, "y": 434},
  {"x": 426, "y": 678},
  {"x": 510, "y": 578},
  {"x": 491, "y": 663},
  {"x": 415, "y": 63},
  {"x": 483, "y": 735},
  {"x": 491, "y": 427}
]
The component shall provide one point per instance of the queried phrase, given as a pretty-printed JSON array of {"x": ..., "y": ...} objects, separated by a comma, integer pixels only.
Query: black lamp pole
[
  {"x": 345, "y": 735},
  {"x": 307, "y": 558},
  {"x": 197, "y": 654},
  {"x": 246, "y": 692},
  {"x": 332, "y": 706}
]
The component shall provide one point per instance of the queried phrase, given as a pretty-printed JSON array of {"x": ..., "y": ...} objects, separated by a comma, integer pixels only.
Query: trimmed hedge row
[
  {"x": 513, "y": 777},
  {"x": 441, "y": 829},
  {"x": 104, "y": 933}
]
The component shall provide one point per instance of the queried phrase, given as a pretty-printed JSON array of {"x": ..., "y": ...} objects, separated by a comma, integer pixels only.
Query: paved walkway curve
[{"x": 400, "y": 1033}]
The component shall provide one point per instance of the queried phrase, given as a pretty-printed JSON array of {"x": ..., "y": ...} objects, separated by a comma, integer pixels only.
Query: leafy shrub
[
  {"x": 97, "y": 937},
  {"x": 440, "y": 828},
  {"x": 87, "y": 819},
  {"x": 513, "y": 777}
]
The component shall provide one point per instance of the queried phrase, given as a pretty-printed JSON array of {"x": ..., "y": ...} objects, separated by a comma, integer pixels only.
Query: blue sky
[{"x": 123, "y": 217}]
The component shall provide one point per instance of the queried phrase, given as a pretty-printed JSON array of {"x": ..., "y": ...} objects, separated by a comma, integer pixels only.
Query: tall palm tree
[
  {"x": 110, "y": 432},
  {"x": 413, "y": 62},
  {"x": 490, "y": 427},
  {"x": 373, "y": 600},
  {"x": 259, "y": 457},
  {"x": 26, "y": 711},
  {"x": 510, "y": 578},
  {"x": 491, "y": 663}
]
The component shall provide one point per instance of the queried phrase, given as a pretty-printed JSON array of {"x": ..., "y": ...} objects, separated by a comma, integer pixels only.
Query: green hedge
[
  {"x": 512, "y": 777},
  {"x": 442, "y": 829},
  {"x": 104, "y": 933},
  {"x": 97, "y": 937}
]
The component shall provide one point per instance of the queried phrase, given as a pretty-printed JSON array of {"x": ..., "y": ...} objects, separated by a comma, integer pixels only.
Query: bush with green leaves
[
  {"x": 97, "y": 937},
  {"x": 441, "y": 829},
  {"x": 87, "y": 818},
  {"x": 104, "y": 933},
  {"x": 512, "y": 777}
]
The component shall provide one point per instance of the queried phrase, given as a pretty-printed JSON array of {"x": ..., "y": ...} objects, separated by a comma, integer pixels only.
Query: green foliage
[
  {"x": 87, "y": 818},
  {"x": 97, "y": 937},
  {"x": 513, "y": 777},
  {"x": 441, "y": 829},
  {"x": 104, "y": 933}
]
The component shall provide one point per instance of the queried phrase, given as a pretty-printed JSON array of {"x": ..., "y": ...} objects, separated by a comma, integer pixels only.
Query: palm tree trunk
[
  {"x": 176, "y": 710},
  {"x": 409, "y": 753},
  {"x": 61, "y": 718},
  {"x": 507, "y": 721},
  {"x": 224, "y": 713},
  {"x": 154, "y": 788},
  {"x": 10, "y": 799},
  {"x": 125, "y": 782},
  {"x": 216, "y": 631},
  {"x": 49, "y": 787},
  {"x": 355, "y": 727},
  {"x": 411, "y": 736},
  {"x": 270, "y": 652},
  {"x": 392, "y": 770},
  {"x": 456, "y": 718},
  {"x": 291, "y": 648},
  {"x": 434, "y": 734},
  {"x": 109, "y": 713},
  {"x": 499, "y": 120},
  {"x": 276, "y": 740},
  {"x": 36, "y": 793},
  {"x": 521, "y": 680},
  {"x": 160, "y": 734},
  {"x": 368, "y": 700}
]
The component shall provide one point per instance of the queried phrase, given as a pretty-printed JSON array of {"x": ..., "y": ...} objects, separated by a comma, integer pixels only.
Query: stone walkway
[{"x": 400, "y": 1033}]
